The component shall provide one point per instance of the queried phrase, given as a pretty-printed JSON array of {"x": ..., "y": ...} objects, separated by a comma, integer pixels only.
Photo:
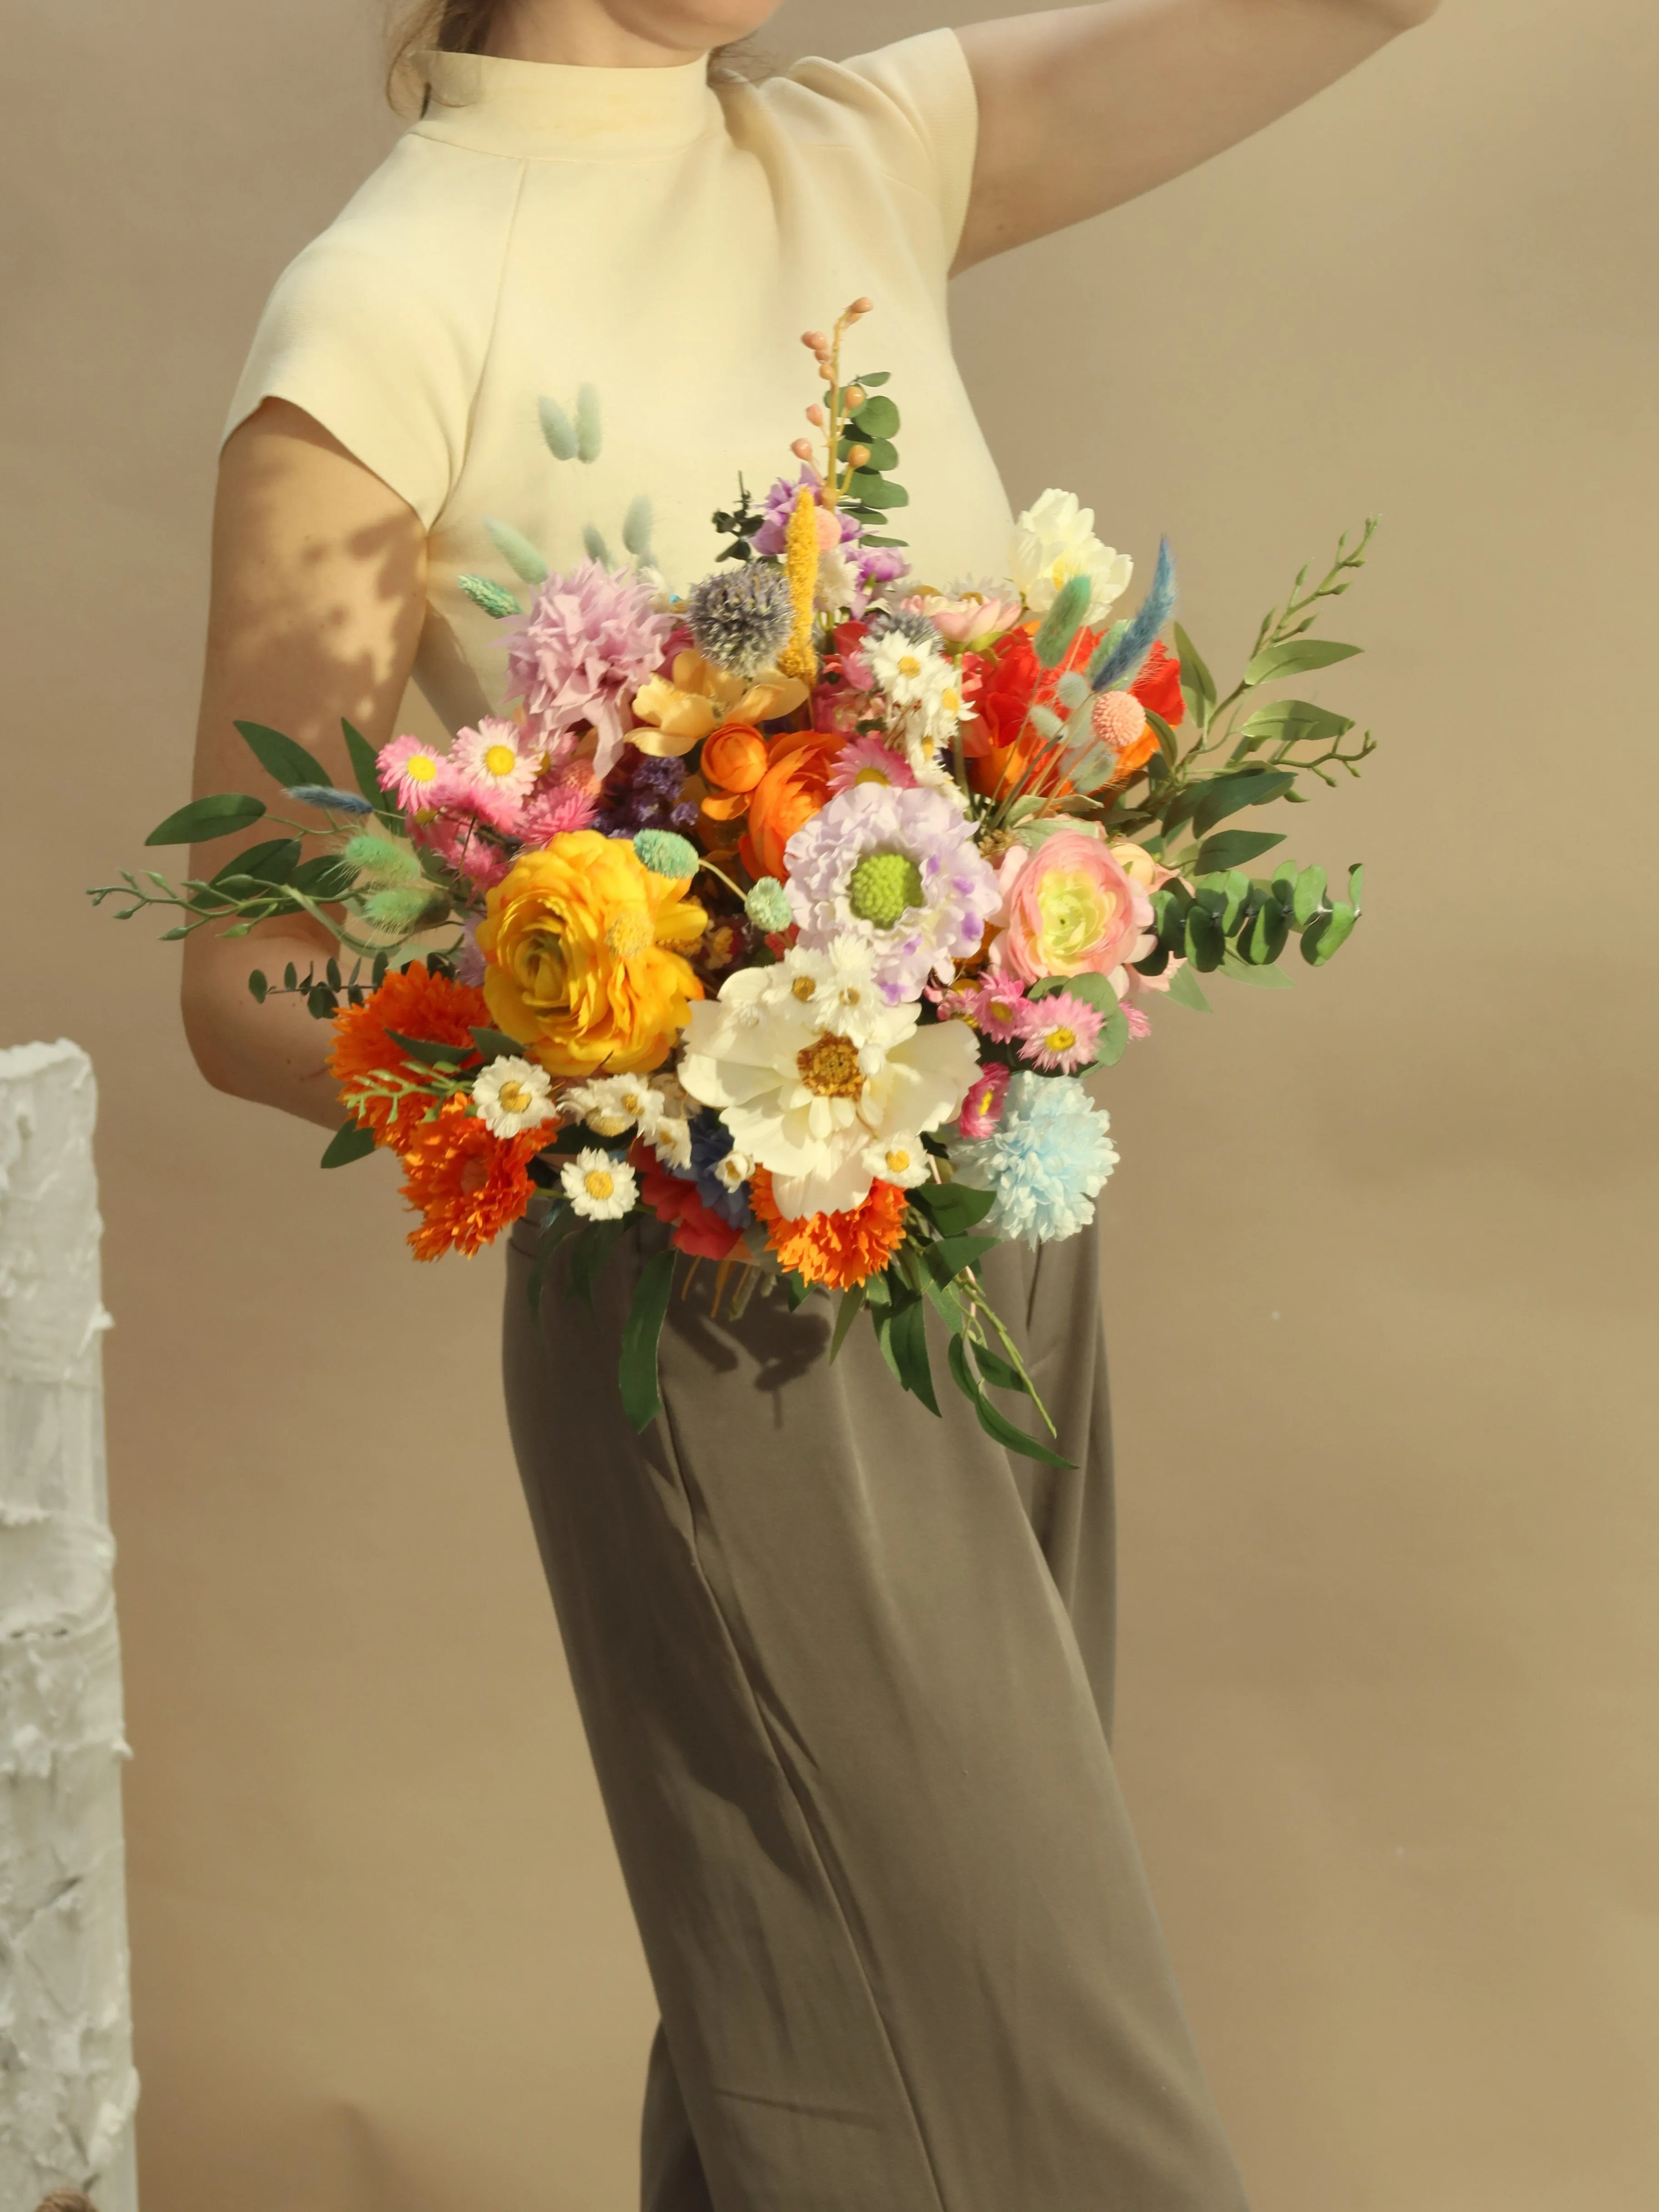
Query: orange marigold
[
  {"x": 468, "y": 1185},
  {"x": 842, "y": 1249},
  {"x": 418, "y": 1005}
]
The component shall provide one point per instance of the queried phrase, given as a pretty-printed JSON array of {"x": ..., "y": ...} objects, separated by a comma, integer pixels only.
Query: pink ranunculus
[
  {"x": 970, "y": 615},
  {"x": 1069, "y": 909},
  {"x": 983, "y": 1108}
]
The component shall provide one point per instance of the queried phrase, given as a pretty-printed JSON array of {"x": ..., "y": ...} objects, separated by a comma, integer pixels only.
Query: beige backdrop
[{"x": 1381, "y": 1292}]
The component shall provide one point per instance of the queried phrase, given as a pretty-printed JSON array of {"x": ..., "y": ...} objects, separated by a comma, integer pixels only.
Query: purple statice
[
  {"x": 770, "y": 539},
  {"x": 898, "y": 870},
  {"x": 643, "y": 793}
]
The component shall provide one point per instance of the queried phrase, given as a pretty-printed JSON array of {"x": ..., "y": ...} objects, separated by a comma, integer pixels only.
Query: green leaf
[
  {"x": 326, "y": 876},
  {"x": 206, "y": 818},
  {"x": 1326, "y": 935},
  {"x": 1308, "y": 896},
  {"x": 363, "y": 758},
  {"x": 883, "y": 453},
  {"x": 1232, "y": 849},
  {"x": 797, "y": 1290},
  {"x": 999, "y": 1372},
  {"x": 994, "y": 1422},
  {"x": 271, "y": 862},
  {"x": 1196, "y": 680},
  {"x": 350, "y": 1142},
  {"x": 945, "y": 1260},
  {"x": 1094, "y": 990},
  {"x": 1060, "y": 625},
  {"x": 1168, "y": 744},
  {"x": 561, "y": 1224},
  {"x": 1265, "y": 939},
  {"x": 258, "y": 984},
  {"x": 878, "y": 376},
  {"x": 1295, "y": 657},
  {"x": 282, "y": 759},
  {"x": 878, "y": 418},
  {"x": 515, "y": 549},
  {"x": 953, "y": 1207},
  {"x": 1355, "y": 886},
  {"x": 591, "y": 1247},
  {"x": 1185, "y": 992},
  {"x": 1114, "y": 1040},
  {"x": 1265, "y": 979},
  {"x": 852, "y": 1304},
  {"x": 496, "y": 1044},
  {"x": 636, "y": 1370},
  {"x": 1227, "y": 794},
  {"x": 429, "y": 1052},
  {"x": 871, "y": 491},
  {"x": 909, "y": 1343},
  {"x": 1294, "y": 721},
  {"x": 1205, "y": 946}
]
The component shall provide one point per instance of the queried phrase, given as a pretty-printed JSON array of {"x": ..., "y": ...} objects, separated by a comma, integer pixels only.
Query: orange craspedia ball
[
  {"x": 792, "y": 790},
  {"x": 735, "y": 756},
  {"x": 841, "y": 1250}
]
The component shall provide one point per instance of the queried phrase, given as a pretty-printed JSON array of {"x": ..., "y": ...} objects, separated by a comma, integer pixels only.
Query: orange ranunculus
[
  {"x": 735, "y": 757},
  {"x": 418, "y": 1004},
  {"x": 583, "y": 949},
  {"x": 792, "y": 790},
  {"x": 467, "y": 1184},
  {"x": 842, "y": 1249}
]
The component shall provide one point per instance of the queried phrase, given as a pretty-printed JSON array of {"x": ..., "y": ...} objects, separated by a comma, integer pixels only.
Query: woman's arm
[
  {"x": 1081, "y": 109},
  {"x": 318, "y": 595}
]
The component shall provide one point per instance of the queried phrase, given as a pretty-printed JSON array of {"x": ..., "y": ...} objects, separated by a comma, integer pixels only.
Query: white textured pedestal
[{"x": 67, "y": 2085}]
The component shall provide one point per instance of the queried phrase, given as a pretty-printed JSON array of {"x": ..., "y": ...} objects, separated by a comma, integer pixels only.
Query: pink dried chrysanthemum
[
  {"x": 867, "y": 759},
  {"x": 1059, "y": 1033},
  {"x": 983, "y": 1108},
  {"x": 588, "y": 643},
  {"x": 552, "y": 811}
]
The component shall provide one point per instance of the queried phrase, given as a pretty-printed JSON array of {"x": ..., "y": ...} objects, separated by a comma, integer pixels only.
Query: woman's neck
[{"x": 580, "y": 31}]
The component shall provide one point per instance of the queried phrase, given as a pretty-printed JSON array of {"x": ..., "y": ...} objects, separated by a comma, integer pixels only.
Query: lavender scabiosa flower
[
  {"x": 590, "y": 640},
  {"x": 741, "y": 619},
  {"x": 898, "y": 870}
]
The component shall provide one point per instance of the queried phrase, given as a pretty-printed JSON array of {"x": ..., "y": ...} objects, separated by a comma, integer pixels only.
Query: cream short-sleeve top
[{"x": 665, "y": 240}]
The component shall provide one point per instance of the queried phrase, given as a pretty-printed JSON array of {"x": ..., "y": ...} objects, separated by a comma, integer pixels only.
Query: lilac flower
[
  {"x": 642, "y": 792},
  {"x": 768, "y": 539}
]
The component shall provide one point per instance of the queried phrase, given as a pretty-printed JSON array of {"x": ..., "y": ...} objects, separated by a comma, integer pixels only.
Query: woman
[{"x": 845, "y": 1669}]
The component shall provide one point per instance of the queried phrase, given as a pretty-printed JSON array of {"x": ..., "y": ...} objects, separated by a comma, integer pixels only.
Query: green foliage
[
  {"x": 204, "y": 819},
  {"x": 282, "y": 759},
  {"x": 636, "y": 1370},
  {"x": 350, "y": 1142},
  {"x": 871, "y": 493}
]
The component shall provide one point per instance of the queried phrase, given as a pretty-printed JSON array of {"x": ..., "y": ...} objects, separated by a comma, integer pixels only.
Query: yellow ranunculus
[
  {"x": 676, "y": 714},
  {"x": 584, "y": 950}
]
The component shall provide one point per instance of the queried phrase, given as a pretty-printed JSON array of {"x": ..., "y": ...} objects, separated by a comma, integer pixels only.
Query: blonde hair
[{"x": 463, "y": 26}]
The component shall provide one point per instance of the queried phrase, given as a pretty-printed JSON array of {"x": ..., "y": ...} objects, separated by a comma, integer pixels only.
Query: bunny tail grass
[{"x": 1124, "y": 654}]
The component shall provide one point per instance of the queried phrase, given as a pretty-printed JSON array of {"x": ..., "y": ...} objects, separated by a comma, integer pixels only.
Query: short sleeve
[
  {"x": 348, "y": 335},
  {"x": 921, "y": 116}
]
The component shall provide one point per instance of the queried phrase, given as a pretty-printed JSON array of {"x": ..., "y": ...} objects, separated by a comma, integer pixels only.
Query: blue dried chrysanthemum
[
  {"x": 741, "y": 619},
  {"x": 1047, "y": 1159}
]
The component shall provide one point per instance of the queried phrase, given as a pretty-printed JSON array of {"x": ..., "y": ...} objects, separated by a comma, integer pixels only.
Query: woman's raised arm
[
  {"x": 1082, "y": 108},
  {"x": 318, "y": 595}
]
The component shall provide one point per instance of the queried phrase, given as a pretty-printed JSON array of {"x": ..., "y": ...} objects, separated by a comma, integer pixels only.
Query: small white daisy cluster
[{"x": 923, "y": 690}]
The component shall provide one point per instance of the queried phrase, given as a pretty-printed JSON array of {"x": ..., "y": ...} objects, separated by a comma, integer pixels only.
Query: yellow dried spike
[{"x": 800, "y": 566}]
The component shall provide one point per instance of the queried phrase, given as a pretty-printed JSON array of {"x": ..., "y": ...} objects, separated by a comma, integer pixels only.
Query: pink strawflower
[
  {"x": 552, "y": 811},
  {"x": 588, "y": 643},
  {"x": 983, "y": 1108},
  {"x": 867, "y": 759},
  {"x": 499, "y": 758},
  {"x": 1059, "y": 1033},
  {"x": 410, "y": 771},
  {"x": 455, "y": 836},
  {"x": 998, "y": 1007}
]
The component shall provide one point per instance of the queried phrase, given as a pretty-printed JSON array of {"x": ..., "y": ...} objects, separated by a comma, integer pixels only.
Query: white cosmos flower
[
  {"x": 600, "y": 1187},
  {"x": 611, "y": 1104},
  {"x": 807, "y": 1092},
  {"x": 897, "y": 1157},
  {"x": 512, "y": 1096},
  {"x": 1054, "y": 541}
]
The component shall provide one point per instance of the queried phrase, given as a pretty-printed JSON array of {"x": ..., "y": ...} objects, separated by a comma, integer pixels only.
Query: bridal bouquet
[{"x": 791, "y": 911}]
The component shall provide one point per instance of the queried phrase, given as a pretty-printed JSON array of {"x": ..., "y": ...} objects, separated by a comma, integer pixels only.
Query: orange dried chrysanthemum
[
  {"x": 418, "y": 1005},
  {"x": 841, "y": 1250},
  {"x": 468, "y": 1185}
]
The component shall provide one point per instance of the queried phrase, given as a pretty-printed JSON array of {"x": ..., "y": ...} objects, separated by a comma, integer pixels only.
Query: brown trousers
[{"x": 846, "y": 1671}]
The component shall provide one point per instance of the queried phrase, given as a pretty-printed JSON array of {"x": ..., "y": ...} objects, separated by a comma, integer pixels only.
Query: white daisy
[
  {"x": 612, "y": 1104},
  {"x": 733, "y": 1168},
  {"x": 600, "y": 1187},
  {"x": 513, "y": 1095},
  {"x": 806, "y": 1097},
  {"x": 898, "y": 1157},
  {"x": 669, "y": 1136}
]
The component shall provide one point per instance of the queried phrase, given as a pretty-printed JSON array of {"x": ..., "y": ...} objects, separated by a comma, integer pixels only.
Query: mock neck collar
[{"x": 558, "y": 110}]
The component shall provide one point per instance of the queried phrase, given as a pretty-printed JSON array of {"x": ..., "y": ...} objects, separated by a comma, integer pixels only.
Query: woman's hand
[
  {"x": 1082, "y": 108},
  {"x": 319, "y": 596}
]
